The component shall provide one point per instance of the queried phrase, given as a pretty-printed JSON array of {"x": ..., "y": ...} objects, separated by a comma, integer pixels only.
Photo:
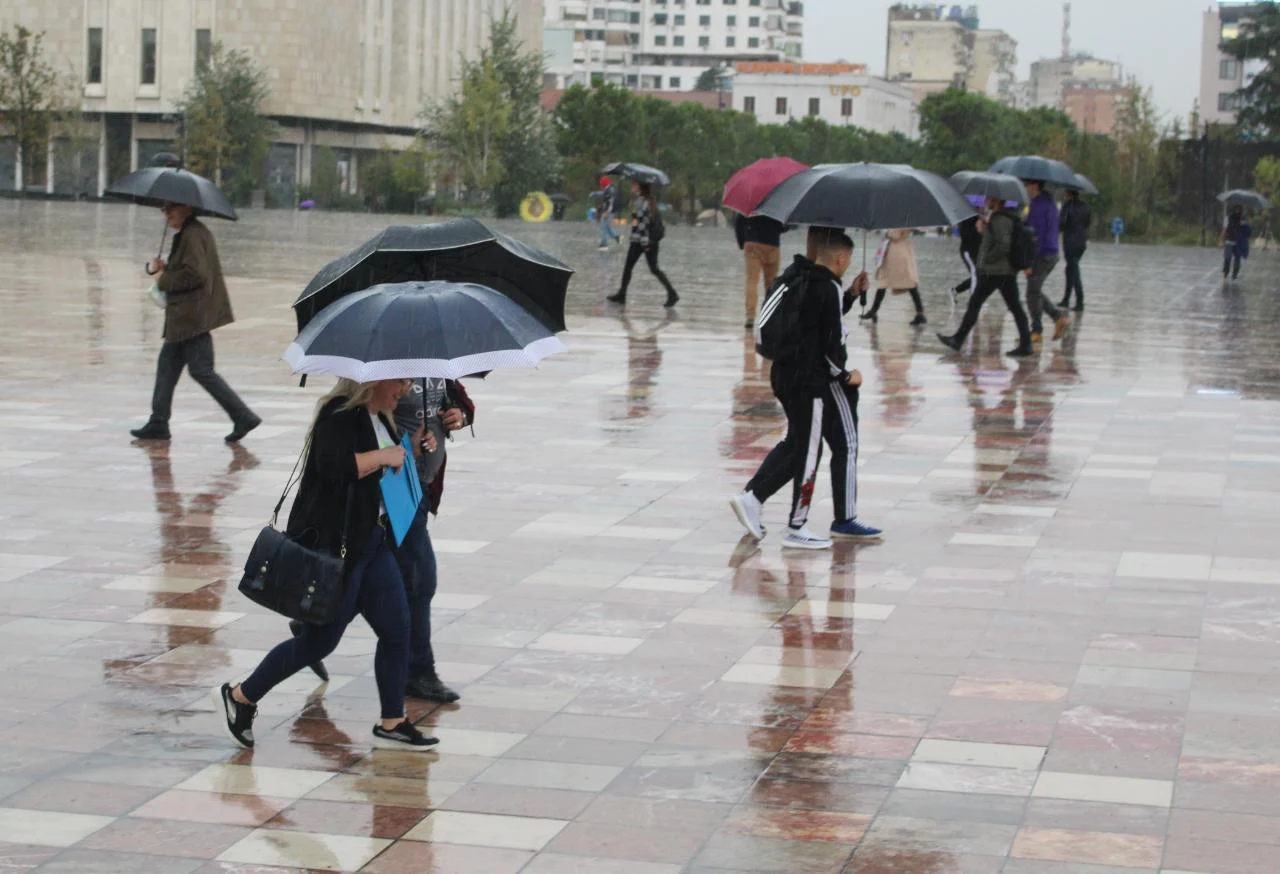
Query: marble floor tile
[
  {"x": 48, "y": 828},
  {"x": 253, "y": 780},
  {"x": 968, "y": 779},
  {"x": 1117, "y": 790},
  {"x": 1096, "y": 848},
  {"x": 486, "y": 830},
  {"x": 311, "y": 850},
  {"x": 986, "y": 755},
  {"x": 775, "y": 675}
]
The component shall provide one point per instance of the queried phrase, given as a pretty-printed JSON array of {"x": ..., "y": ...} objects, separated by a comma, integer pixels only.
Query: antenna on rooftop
[{"x": 1066, "y": 29}]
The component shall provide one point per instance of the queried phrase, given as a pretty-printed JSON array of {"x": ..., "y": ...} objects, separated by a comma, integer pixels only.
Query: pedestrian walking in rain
[
  {"x": 1234, "y": 241},
  {"x": 897, "y": 272},
  {"x": 604, "y": 215},
  {"x": 647, "y": 231},
  {"x": 760, "y": 239},
  {"x": 995, "y": 273},
  {"x": 1042, "y": 218},
  {"x": 1073, "y": 221},
  {"x": 196, "y": 303},
  {"x": 970, "y": 242}
]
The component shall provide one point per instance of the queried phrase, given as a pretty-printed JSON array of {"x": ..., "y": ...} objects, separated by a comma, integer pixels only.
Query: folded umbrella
[
  {"x": 866, "y": 196},
  {"x": 457, "y": 250},
  {"x": 984, "y": 185},
  {"x": 638, "y": 172},
  {"x": 1247, "y": 199},
  {"x": 750, "y": 185},
  {"x": 1036, "y": 168},
  {"x": 156, "y": 186},
  {"x": 421, "y": 330}
]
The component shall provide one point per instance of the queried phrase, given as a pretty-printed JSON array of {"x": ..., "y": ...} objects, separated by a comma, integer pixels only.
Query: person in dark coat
[
  {"x": 196, "y": 303},
  {"x": 645, "y": 240},
  {"x": 760, "y": 239},
  {"x": 1235, "y": 242},
  {"x": 339, "y": 510},
  {"x": 1073, "y": 221}
]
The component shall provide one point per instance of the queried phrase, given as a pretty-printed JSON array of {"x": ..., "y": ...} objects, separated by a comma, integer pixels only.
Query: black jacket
[
  {"x": 1074, "y": 221},
  {"x": 758, "y": 229},
  {"x": 822, "y": 356},
  {"x": 330, "y": 469},
  {"x": 970, "y": 238}
]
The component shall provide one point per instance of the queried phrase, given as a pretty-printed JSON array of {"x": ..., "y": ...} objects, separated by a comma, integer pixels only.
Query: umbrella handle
[{"x": 164, "y": 235}]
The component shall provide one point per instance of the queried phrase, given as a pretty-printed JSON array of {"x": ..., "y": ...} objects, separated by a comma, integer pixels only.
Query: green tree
[
  {"x": 1259, "y": 40},
  {"x": 220, "y": 131},
  {"x": 714, "y": 79},
  {"x": 29, "y": 96},
  {"x": 465, "y": 129},
  {"x": 1266, "y": 177}
]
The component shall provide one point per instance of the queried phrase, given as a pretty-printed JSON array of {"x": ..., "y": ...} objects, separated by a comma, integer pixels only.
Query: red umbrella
[{"x": 752, "y": 184}]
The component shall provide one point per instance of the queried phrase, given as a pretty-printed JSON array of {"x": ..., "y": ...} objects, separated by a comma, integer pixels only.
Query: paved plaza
[{"x": 1064, "y": 658}]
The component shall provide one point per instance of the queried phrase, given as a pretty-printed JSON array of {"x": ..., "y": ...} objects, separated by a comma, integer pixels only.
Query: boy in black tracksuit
[
  {"x": 970, "y": 243},
  {"x": 820, "y": 399}
]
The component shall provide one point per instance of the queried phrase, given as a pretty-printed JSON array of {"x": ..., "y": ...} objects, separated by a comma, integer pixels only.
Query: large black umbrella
[
  {"x": 639, "y": 172},
  {"x": 1036, "y": 168},
  {"x": 867, "y": 196},
  {"x": 156, "y": 186},
  {"x": 1247, "y": 199},
  {"x": 1007, "y": 188},
  {"x": 456, "y": 250},
  {"x": 421, "y": 330}
]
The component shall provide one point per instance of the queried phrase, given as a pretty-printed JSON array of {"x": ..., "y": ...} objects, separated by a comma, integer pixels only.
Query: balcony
[{"x": 796, "y": 9}]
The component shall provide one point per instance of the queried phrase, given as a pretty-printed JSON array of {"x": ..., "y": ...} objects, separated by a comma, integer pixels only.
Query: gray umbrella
[
  {"x": 156, "y": 186},
  {"x": 638, "y": 172},
  {"x": 1083, "y": 185},
  {"x": 866, "y": 196},
  {"x": 1247, "y": 199},
  {"x": 1001, "y": 185},
  {"x": 1036, "y": 168}
]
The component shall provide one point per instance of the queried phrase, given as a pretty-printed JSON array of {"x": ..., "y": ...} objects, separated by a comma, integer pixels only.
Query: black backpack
[
  {"x": 778, "y": 330},
  {"x": 657, "y": 227},
  {"x": 1022, "y": 250}
]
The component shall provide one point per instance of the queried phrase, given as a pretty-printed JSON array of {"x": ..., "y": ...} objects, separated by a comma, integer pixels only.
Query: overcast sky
[{"x": 1157, "y": 40}]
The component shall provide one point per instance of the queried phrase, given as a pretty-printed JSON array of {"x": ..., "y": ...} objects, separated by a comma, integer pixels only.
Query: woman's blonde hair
[{"x": 357, "y": 394}]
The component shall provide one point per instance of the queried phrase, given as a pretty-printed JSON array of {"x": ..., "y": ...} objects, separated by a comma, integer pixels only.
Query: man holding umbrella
[
  {"x": 196, "y": 303},
  {"x": 1042, "y": 218}
]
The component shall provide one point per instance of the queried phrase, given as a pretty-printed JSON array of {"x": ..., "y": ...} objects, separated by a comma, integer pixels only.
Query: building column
[{"x": 102, "y": 154}]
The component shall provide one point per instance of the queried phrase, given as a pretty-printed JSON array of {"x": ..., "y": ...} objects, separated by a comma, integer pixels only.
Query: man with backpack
[
  {"x": 1007, "y": 246},
  {"x": 801, "y": 328}
]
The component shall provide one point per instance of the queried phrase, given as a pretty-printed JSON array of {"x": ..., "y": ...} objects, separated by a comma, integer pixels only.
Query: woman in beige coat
[{"x": 897, "y": 272}]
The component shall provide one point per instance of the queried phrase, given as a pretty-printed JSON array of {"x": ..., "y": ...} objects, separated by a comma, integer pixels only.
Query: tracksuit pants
[{"x": 830, "y": 416}]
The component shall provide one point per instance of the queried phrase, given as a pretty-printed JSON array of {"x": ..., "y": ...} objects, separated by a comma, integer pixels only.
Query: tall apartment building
[
  {"x": 1051, "y": 77},
  {"x": 930, "y": 48},
  {"x": 351, "y": 75},
  {"x": 657, "y": 45},
  {"x": 1221, "y": 76}
]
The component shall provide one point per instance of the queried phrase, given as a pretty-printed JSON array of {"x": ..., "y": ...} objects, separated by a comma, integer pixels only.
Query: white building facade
[
  {"x": 1222, "y": 76},
  {"x": 933, "y": 47},
  {"x": 839, "y": 94},
  {"x": 1051, "y": 77},
  {"x": 664, "y": 45}
]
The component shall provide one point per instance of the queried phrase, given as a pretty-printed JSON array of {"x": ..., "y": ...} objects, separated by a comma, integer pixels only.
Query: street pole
[{"x": 1204, "y": 181}]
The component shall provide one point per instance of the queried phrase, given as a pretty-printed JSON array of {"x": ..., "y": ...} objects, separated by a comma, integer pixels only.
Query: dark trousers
[
  {"x": 1231, "y": 261},
  {"x": 987, "y": 286},
  {"x": 972, "y": 279},
  {"x": 1074, "y": 284},
  {"x": 417, "y": 561},
  {"x": 196, "y": 355},
  {"x": 374, "y": 591},
  {"x": 915, "y": 299},
  {"x": 832, "y": 416},
  {"x": 651, "y": 257},
  {"x": 1037, "y": 302}
]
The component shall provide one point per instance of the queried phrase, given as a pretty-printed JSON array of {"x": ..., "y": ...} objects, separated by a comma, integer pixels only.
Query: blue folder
[{"x": 402, "y": 493}]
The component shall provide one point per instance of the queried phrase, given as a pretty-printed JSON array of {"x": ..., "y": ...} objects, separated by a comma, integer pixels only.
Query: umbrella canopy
[
  {"x": 1037, "y": 168},
  {"x": 984, "y": 185},
  {"x": 457, "y": 250},
  {"x": 1084, "y": 185},
  {"x": 1247, "y": 199},
  {"x": 866, "y": 196},
  {"x": 638, "y": 172},
  {"x": 750, "y": 185},
  {"x": 156, "y": 186},
  {"x": 421, "y": 329}
]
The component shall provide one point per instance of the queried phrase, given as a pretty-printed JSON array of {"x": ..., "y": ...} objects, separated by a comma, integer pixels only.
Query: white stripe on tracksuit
[
  {"x": 973, "y": 271},
  {"x": 848, "y": 489}
]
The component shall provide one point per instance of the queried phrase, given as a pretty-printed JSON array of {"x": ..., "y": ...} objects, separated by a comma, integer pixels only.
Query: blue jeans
[
  {"x": 374, "y": 591},
  {"x": 417, "y": 561},
  {"x": 1230, "y": 261},
  {"x": 607, "y": 232}
]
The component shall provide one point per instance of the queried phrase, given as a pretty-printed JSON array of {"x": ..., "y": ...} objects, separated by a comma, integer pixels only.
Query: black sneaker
[
  {"x": 151, "y": 431},
  {"x": 404, "y": 736},
  {"x": 241, "y": 429},
  {"x": 429, "y": 688},
  {"x": 1022, "y": 350},
  {"x": 950, "y": 341},
  {"x": 919, "y": 320},
  {"x": 317, "y": 667},
  {"x": 237, "y": 718},
  {"x": 619, "y": 298}
]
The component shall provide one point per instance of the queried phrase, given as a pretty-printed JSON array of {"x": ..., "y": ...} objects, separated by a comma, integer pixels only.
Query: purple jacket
[{"x": 1043, "y": 219}]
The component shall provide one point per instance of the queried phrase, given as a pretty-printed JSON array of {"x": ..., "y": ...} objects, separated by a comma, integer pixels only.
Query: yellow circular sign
[{"x": 536, "y": 207}]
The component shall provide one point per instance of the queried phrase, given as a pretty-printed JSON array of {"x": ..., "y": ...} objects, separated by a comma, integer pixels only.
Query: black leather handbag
[{"x": 294, "y": 580}]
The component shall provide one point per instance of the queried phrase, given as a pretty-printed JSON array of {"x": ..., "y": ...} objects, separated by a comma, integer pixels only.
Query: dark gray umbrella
[
  {"x": 156, "y": 186},
  {"x": 1247, "y": 199},
  {"x": 638, "y": 172},
  {"x": 1036, "y": 168},
  {"x": 984, "y": 185},
  {"x": 867, "y": 196},
  {"x": 1083, "y": 185},
  {"x": 458, "y": 250},
  {"x": 421, "y": 330}
]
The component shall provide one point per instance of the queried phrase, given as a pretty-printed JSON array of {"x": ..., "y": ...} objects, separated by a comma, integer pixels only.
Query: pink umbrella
[{"x": 752, "y": 184}]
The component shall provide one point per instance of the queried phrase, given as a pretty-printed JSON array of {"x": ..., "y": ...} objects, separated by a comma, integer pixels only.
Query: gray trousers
[
  {"x": 1037, "y": 303},
  {"x": 196, "y": 355}
]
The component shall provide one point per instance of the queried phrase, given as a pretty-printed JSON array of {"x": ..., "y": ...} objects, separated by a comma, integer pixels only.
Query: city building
[
  {"x": 346, "y": 75},
  {"x": 931, "y": 47},
  {"x": 1093, "y": 108},
  {"x": 664, "y": 45},
  {"x": 1051, "y": 77},
  {"x": 839, "y": 94},
  {"x": 1222, "y": 76}
]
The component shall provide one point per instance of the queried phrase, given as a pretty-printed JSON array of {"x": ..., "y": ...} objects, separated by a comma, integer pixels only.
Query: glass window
[
  {"x": 755, "y": 2},
  {"x": 1227, "y": 102},
  {"x": 93, "y": 63},
  {"x": 1229, "y": 69},
  {"x": 815, "y": 106},
  {"x": 674, "y": 81},
  {"x": 660, "y": 39},
  {"x": 660, "y": 18},
  {"x": 599, "y": 14},
  {"x": 730, "y": 42},
  {"x": 753, "y": 42},
  {"x": 846, "y": 107},
  {"x": 679, "y": 20},
  {"x": 204, "y": 47},
  {"x": 677, "y": 41},
  {"x": 704, "y": 41},
  {"x": 704, "y": 20},
  {"x": 753, "y": 21},
  {"x": 731, "y": 21},
  {"x": 147, "y": 73},
  {"x": 780, "y": 106},
  {"x": 749, "y": 105}
]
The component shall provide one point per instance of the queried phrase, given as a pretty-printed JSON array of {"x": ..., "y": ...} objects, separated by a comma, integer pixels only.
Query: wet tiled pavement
[{"x": 1064, "y": 658}]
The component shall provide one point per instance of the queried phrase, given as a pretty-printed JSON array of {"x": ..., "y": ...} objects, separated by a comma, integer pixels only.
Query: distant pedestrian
[
  {"x": 647, "y": 231},
  {"x": 995, "y": 273},
  {"x": 897, "y": 271},
  {"x": 1042, "y": 218},
  {"x": 970, "y": 242},
  {"x": 760, "y": 239},
  {"x": 1073, "y": 221},
  {"x": 604, "y": 214},
  {"x": 1235, "y": 242},
  {"x": 196, "y": 303}
]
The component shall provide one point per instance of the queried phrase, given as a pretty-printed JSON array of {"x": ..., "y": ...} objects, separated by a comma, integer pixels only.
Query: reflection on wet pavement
[{"x": 1063, "y": 658}]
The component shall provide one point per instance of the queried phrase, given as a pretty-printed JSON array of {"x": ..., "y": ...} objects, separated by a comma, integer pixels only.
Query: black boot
[
  {"x": 317, "y": 667},
  {"x": 950, "y": 341},
  {"x": 151, "y": 431},
  {"x": 1023, "y": 350},
  {"x": 672, "y": 299},
  {"x": 428, "y": 687},
  {"x": 619, "y": 298},
  {"x": 872, "y": 314}
]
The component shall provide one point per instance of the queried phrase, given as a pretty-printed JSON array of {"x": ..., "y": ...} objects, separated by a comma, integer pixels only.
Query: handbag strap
[{"x": 295, "y": 477}]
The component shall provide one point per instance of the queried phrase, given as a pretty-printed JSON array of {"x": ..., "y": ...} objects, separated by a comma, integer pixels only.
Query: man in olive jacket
[{"x": 196, "y": 304}]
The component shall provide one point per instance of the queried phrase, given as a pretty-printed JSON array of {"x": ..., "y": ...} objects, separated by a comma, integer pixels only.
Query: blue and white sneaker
[
  {"x": 854, "y": 530},
  {"x": 803, "y": 538}
]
